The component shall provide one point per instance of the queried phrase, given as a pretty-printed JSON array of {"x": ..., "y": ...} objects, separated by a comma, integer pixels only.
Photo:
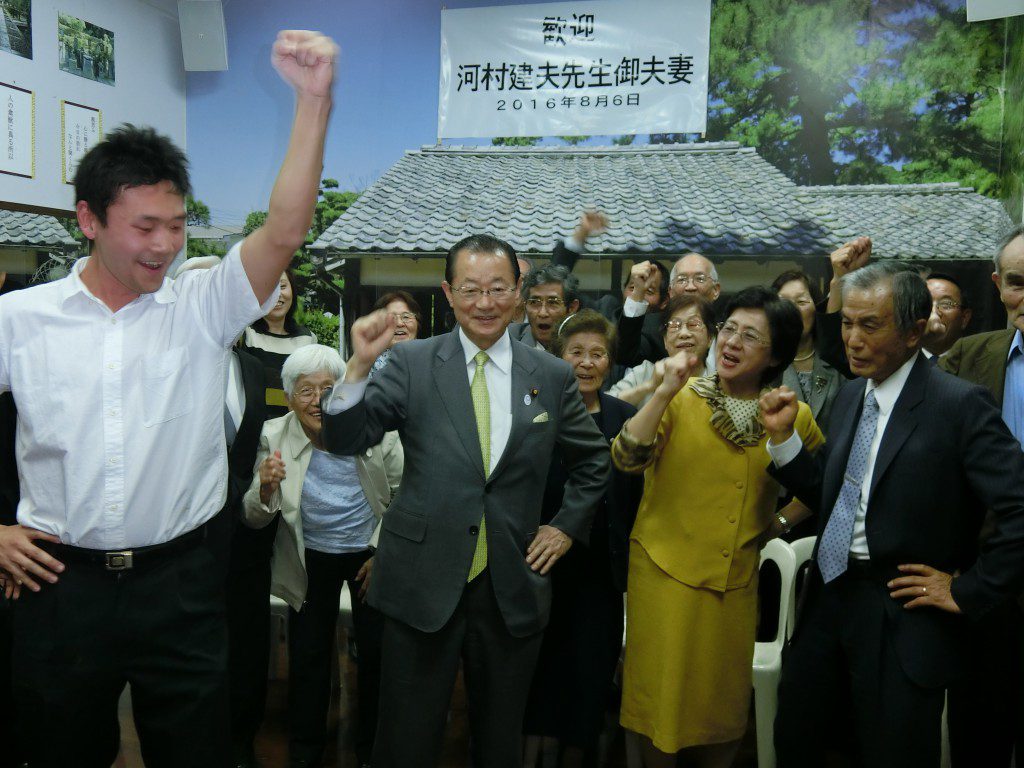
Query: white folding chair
[{"x": 768, "y": 655}]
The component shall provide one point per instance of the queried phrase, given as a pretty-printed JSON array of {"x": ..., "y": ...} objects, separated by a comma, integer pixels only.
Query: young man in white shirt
[{"x": 119, "y": 377}]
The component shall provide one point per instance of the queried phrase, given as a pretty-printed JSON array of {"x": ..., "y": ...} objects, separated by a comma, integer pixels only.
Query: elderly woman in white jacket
[{"x": 330, "y": 508}]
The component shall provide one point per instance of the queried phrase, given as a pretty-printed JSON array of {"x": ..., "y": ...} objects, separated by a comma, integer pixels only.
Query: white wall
[{"x": 149, "y": 89}]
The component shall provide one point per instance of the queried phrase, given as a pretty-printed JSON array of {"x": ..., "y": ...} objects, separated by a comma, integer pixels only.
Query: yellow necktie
[{"x": 482, "y": 410}]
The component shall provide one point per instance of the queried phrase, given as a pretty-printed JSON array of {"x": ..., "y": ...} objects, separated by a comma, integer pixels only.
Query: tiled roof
[
  {"x": 32, "y": 230},
  {"x": 716, "y": 198},
  {"x": 919, "y": 221}
]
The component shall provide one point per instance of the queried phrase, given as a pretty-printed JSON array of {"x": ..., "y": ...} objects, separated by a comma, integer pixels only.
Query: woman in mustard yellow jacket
[{"x": 708, "y": 507}]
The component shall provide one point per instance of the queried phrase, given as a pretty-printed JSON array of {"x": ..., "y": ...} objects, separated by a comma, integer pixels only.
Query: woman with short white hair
[{"x": 330, "y": 507}]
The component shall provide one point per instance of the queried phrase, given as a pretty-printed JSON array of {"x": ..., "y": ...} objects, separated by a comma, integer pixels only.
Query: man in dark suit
[
  {"x": 914, "y": 459},
  {"x": 461, "y": 569},
  {"x": 986, "y": 707}
]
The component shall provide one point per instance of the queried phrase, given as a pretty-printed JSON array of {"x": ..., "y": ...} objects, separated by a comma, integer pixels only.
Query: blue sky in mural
[{"x": 386, "y": 99}]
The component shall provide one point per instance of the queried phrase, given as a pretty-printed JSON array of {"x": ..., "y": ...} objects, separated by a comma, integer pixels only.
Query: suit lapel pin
[{"x": 528, "y": 397}]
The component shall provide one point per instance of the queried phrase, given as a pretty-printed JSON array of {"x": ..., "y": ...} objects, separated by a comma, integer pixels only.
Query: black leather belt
[
  {"x": 861, "y": 568},
  {"x": 127, "y": 559}
]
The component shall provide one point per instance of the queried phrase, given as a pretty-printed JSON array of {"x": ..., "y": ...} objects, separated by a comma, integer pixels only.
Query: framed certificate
[
  {"x": 18, "y": 154},
  {"x": 80, "y": 128}
]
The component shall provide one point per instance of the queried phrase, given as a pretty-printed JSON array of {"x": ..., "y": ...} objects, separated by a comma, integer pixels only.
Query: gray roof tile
[
  {"x": 32, "y": 230},
  {"x": 716, "y": 198}
]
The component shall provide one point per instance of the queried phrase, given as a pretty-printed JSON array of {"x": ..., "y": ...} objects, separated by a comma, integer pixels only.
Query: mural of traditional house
[{"x": 663, "y": 201}]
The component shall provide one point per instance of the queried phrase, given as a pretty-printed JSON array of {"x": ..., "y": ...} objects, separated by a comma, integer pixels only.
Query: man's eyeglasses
[
  {"x": 308, "y": 394},
  {"x": 551, "y": 302},
  {"x": 692, "y": 324},
  {"x": 946, "y": 305},
  {"x": 403, "y": 317},
  {"x": 472, "y": 293},
  {"x": 750, "y": 338},
  {"x": 698, "y": 279}
]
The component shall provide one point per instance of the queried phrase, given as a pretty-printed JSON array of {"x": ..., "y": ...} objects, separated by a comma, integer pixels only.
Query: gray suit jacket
[
  {"x": 429, "y": 532},
  {"x": 826, "y": 382}
]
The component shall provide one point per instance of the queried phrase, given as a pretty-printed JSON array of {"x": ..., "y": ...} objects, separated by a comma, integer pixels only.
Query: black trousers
[
  {"x": 311, "y": 644},
  {"x": 160, "y": 628},
  {"x": 841, "y": 661},
  {"x": 418, "y": 675},
  {"x": 248, "y": 617},
  {"x": 10, "y": 738},
  {"x": 985, "y": 707}
]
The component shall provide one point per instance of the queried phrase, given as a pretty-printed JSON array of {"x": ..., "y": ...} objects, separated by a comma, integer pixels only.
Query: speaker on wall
[{"x": 204, "y": 45}]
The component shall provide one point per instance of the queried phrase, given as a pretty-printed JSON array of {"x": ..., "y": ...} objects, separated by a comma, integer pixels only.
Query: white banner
[
  {"x": 576, "y": 68},
  {"x": 983, "y": 10}
]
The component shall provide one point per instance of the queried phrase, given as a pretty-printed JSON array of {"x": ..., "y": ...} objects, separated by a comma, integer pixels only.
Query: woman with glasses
[
  {"x": 708, "y": 507},
  {"x": 815, "y": 382},
  {"x": 572, "y": 684},
  {"x": 408, "y": 318},
  {"x": 329, "y": 506},
  {"x": 689, "y": 328}
]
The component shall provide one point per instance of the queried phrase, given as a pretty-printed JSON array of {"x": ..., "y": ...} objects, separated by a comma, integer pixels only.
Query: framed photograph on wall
[
  {"x": 85, "y": 49},
  {"x": 16, "y": 27},
  {"x": 80, "y": 128},
  {"x": 18, "y": 154}
]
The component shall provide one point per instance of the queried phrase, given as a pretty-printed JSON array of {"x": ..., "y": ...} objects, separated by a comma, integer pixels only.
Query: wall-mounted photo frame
[
  {"x": 85, "y": 49},
  {"x": 16, "y": 27}
]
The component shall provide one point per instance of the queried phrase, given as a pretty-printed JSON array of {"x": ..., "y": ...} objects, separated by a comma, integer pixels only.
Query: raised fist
[
  {"x": 676, "y": 372},
  {"x": 778, "y": 413},
  {"x": 271, "y": 474},
  {"x": 850, "y": 256},
  {"x": 305, "y": 60}
]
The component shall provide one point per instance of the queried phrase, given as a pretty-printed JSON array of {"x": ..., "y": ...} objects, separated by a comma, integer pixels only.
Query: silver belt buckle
[{"x": 118, "y": 561}]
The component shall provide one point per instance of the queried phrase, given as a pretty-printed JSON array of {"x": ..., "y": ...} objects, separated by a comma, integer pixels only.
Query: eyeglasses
[
  {"x": 403, "y": 317},
  {"x": 597, "y": 356},
  {"x": 802, "y": 302},
  {"x": 551, "y": 302},
  {"x": 692, "y": 324},
  {"x": 749, "y": 337},
  {"x": 946, "y": 305},
  {"x": 308, "y": 394},
  {"x": 472, "y": 293},
  {"x": 698, "y": 279}
]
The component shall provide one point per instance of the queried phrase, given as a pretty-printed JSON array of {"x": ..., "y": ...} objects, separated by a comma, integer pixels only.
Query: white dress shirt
[
  {"x": 497, "y": 371},
  {"x": 120, "y": 437},
  {"x": 886, "y": 395}
]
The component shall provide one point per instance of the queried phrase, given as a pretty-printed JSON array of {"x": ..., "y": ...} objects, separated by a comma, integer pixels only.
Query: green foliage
[
  {"x": 197, "y": 213},
  {"x": 319, "y": 293},
  {"x": 19, "y": 9},
  {"x": 624, "y": 141},
  {"x": 574, "y": 140},
  {"x": 515, "y": 141},
  {"x": 325, "y": 328},
  {"x": 253, "y": 222},
  {"x": 196, "y": 247},
  {"x": 861, "y": 91}
]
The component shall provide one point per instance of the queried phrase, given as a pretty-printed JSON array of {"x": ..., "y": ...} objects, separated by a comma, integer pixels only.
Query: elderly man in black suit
[
  {"x": 915, "y": 458},
  {"x": 462, "y": 566}
]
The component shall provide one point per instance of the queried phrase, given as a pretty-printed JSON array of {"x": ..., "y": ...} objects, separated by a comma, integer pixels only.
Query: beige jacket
[{"x": 380, "y": 472}]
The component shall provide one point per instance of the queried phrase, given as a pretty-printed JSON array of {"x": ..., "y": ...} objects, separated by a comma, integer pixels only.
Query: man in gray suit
[{"x": 461, "y": 572}]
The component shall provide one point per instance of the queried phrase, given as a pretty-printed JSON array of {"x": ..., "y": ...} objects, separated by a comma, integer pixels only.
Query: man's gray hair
[
  {"x": 712, "y": 272},
  {"x": 1005, "y": 240},
  {"x": 553, "y": 273},
  {"x": 309, "y": 360},
  {"x": 911, "y": 301}
]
